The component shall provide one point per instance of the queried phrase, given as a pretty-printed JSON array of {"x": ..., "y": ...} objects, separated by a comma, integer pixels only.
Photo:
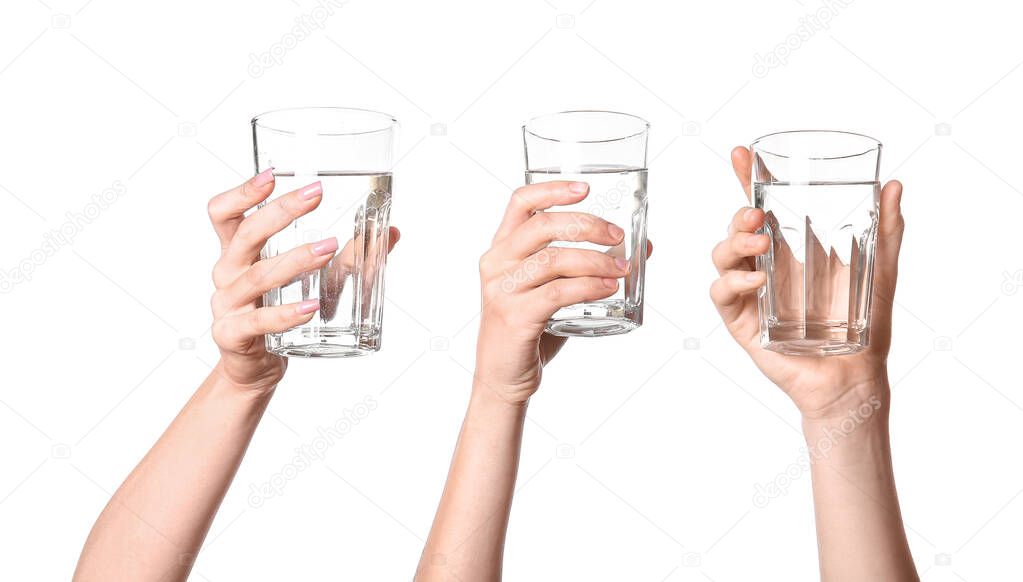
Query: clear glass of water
[
  {"x": 350, "y": 152},
  {"x": 819, "y": 190},
  {"x": 607, "y": 150}
]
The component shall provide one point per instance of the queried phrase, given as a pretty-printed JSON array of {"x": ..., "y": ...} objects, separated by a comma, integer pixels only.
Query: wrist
[
  {"x": 854, "y": 398},
  {"x": 858, "y": 436},
  {"x": 496, "y": 399},
  {"x": 258, "y": 392}
]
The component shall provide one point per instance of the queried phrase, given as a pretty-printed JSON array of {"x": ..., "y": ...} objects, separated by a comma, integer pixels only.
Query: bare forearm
[
  {"x": 860, "y": 532},
  {"x": 467, "y": 538},
  {"x": 155, "y": 523}
]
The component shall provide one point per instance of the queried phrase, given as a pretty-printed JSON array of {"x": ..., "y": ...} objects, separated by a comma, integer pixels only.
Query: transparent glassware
[
  {"x": 608, "y": 151},
  {"x": 819, "y": 190},
  {"x": 350, "y": 152}
]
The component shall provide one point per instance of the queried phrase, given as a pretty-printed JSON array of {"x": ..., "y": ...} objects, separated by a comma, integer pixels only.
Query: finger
[
  {"x": 729, "y": 292},
  {"x": 564, "y": 292},
  {"x": 547, "y": 227},
  {"x": 891, "y": 226},
  {"x": 346, "y": 257},
  {"x": 239, "y": 331},
  {"x": 275, "y": 272},
  {"x": 553, "y": 263},
  {"x": 528, "y": 200},
  {"x": 746, "y": 220},
  {"x": 737, "y": 251},
  {"x": 335, "y": 276},
  {"x": 255, "y": 230},
  {"x": 619, "y": 250},
  {"x": 742, "y": 164},
  {"x": 227, "y": 210},
  {"x": 393, "y": 235}
]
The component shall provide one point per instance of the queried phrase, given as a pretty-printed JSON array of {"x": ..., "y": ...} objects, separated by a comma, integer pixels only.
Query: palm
[{"x": 249, "y": 364}]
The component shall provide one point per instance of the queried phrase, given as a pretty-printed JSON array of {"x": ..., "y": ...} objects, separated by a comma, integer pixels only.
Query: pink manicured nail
[
  {"x": 621, "y": 263},
  {"x": 307, "y": 307},
  {"x": 311, "y": 191},
  {"x": 753, "y": 276},
  {"x": 578, "y": 187},
  {"x": 263, "y": 178},
  {"x": 325, "y": 246},
  {"x": 615, "y": 231},
  {"x": 609, "y": 283}
]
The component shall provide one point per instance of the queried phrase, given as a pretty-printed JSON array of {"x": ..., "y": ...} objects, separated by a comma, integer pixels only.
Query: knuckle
[
  {"x": 213, "y": 209},
  {"x": 218, "y": 303},
  {"x": 246, "y": 231},
  {"x": 715, "y": 253},
  {"x": 607, "y": 263},
  {"x": 256, "y": 274},
  {"x": 718, "y": 288},
  {"x": 551, "y": 256},
  {"x": 219, "y": 275},
  {"x": 261, "y": 319},
  {"x": 486, "y": 263},
  {"x": 494, "y": 292},
  {"x": 543, "y": 220},
  {"x": 220, "y": 332},
  {"x": 553, "y": 292},
  {"x": 286, "y": 205},
  {"x": 518, "y": 197}
]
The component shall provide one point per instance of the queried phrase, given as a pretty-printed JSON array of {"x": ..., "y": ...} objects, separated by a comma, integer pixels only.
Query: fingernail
[
  {"x": 578, "y": 187},
  {"x": 621, "y": 263},
  {"x": 753, "y": 276},
  {"x": 753, "y": 241},
  {"x": 748, "y": 215},
  {"x": 263, "y": 178},
  {"x": 615, "y": 231},
  {"x": 610, "y": 283},
  {"x": 311, "y": 191},
  {"x": 325, "y": 246},
  {"x": 307, "y": 306}
]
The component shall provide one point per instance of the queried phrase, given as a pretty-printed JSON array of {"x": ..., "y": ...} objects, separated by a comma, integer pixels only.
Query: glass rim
[
  {"x": 646, "y": 126},
  {"x": 392, "y": 122},
  {"x": 877, "y": 145}
]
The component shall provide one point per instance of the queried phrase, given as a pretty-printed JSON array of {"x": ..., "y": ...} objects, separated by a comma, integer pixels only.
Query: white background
[{"x": 667, "y": 443}]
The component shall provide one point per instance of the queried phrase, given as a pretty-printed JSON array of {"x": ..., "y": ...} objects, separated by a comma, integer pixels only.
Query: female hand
[
  {"x": 241, "y": 278},
  {"x": 524, "y": 282},
  {"x": 820, "y": 387}
]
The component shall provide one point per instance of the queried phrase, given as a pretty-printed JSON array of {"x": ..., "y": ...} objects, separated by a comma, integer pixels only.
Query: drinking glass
[
  {"x": 819, "y": 190},
  {"x": 607, "y": 150},
  {"x": 350, "y": 152}
]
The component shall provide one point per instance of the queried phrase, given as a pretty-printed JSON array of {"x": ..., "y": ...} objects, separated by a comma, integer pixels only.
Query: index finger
[
  {"x": 742, "y": 164},
  {"x": 528, "y": 200},
  {"x": 227, "y": 210}
]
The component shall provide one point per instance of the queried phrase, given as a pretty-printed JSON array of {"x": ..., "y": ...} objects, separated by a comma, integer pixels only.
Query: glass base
[
  {"x": 799, "y": 339},
  {"x": 595, "y": 319},
  {"x": 590, "y": 327},
  {"x": 322, "y": 342}
]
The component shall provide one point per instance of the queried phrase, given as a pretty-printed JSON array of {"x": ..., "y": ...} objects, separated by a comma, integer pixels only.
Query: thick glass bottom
[
  {"x": 597, "y": 319},
  {"x": 813, "y": 339},
  {"x": 322, "y": 342}
]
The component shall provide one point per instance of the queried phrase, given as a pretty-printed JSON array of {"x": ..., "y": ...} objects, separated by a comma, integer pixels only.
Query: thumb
[
  {"x": 742, "y": 165},
  {"x": 886, "y": 263}
]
